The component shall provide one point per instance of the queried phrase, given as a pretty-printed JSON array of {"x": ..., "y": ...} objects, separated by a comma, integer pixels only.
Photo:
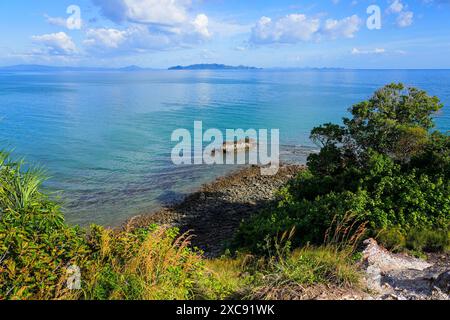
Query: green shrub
[
  {"x": 36, "y": 246},
  {"x": 437, "y": 240},
  {"x": 392, "y": 239}
]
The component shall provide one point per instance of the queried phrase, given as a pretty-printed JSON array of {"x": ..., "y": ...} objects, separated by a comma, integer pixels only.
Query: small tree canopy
[{"x": 396, "y": 121}]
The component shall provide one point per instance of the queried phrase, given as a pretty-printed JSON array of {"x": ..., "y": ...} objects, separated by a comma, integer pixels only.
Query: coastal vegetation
[
  {"x": 385, "y": 166},
  {"x": 39, "y": 254},
  {"x": 384, "y": 173}
]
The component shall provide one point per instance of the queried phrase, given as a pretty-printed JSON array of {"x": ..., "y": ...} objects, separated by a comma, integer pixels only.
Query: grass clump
[
  {"x": 226, "y": 278},
  {"x": 316, "y": 265},
  {"x": 417, "y": 241},
  {"x": 305, "y": 270},
  {"x": 425, "y": 240},
  {"x": 144, "y": 264},
  {"x": 392, "y": 239},
  {"x": 279, "y": 277}
]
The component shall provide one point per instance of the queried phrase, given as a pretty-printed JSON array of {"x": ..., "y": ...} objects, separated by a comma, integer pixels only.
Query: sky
[{"x": 278, "y": 33}]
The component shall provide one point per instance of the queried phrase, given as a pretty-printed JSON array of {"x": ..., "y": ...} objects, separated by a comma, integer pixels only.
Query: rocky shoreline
[{"x": 213, "y": 213}]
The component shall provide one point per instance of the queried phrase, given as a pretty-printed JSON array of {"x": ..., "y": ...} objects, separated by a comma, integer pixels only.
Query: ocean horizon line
[{"x": 135, "y": 68}]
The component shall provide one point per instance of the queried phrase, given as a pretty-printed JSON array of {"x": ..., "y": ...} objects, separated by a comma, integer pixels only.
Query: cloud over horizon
[
  {"x": 295, "y": 28},
  {"x": 56, "y": 43},
  {"x": 165, "y": 32}
]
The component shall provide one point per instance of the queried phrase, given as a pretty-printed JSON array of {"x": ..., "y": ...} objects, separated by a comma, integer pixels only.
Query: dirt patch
[{"x": 316, "y": 292}]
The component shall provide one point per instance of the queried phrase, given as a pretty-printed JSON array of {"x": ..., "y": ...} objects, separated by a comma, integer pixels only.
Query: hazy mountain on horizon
[
  {"x": 212, "y": 66},
  {"x": 44, "y": 68},
  {"x": 131, "y": 68},
  {"x": 135, "y": 68}
]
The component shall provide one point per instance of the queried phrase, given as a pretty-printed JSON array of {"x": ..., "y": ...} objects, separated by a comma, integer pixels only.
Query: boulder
[{"x": 443, "y": 282}]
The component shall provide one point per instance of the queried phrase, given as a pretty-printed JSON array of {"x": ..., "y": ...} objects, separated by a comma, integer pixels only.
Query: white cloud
[
  {"x": 56, "y": 43},
  {"x": 228, "y": 28},
  {"x": 396, "y": 7},
  {"x": 357, "y": 51},
  {"x": 296, "y": 28},
  {"x": 56, "y": 21},
  {"x": 377, "y": 51},
  {"x": 201, "y": 25},
  {"x": 289, "y": 29},
  {"x": 136, "y": 38},
  {"x": 164, "y": 12},
  {"x": 139, "y": 38},
  {"x": 405, "y": 19},
  {"x": 346, "y": 27},
  {"x": 150, "y": 25},
  {"x": 109, "y": 38},
  {"x": 62, "y": 22}
]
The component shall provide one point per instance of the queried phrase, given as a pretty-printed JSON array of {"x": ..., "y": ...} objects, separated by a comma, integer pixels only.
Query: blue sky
[{"x": 282, "y": 33}]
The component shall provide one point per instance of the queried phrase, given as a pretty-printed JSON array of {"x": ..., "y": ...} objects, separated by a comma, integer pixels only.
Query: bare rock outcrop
[
  {"x": 443, "y": 282},
  {"x": 401, "y": 277}
]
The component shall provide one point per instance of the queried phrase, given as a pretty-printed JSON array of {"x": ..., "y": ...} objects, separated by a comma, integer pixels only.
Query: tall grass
[
  {"x": 306, "y": 268},
  {"x": 346, "y": 232},
  {"x": 144, "y": 264},
  {"x": 288, "y": 274},
  {"x": 18, "y": 188}
]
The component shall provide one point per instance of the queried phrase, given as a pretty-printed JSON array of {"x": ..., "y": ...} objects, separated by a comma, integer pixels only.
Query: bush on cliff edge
[{"x": 384, "y": 165}]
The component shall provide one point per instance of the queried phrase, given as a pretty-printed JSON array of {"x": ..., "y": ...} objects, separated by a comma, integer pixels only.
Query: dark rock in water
[{"x": 443, "y": 282}]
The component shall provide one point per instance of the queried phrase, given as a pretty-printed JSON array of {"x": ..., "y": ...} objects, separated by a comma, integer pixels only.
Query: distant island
[
  {"x": 134, "y": 68},
  {"x": 213, "y": 66},
  {"x": 43, "y": 68}
]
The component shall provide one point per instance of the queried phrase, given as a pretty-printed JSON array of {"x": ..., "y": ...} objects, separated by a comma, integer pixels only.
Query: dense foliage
[
  {"x": 35, "y": 244},
  {"x": 385, "y": 166},
  {"x": 39, "y": 251}
]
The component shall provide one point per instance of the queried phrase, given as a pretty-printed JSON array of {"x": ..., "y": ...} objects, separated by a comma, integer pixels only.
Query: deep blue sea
[{"x": 105, "y": 138}]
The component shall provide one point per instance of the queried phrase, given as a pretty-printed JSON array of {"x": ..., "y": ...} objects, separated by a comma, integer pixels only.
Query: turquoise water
[{"x": 104, "y": 138}]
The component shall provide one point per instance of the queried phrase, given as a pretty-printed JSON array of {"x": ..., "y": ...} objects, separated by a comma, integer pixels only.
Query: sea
[{"x": 104, "y": 138}]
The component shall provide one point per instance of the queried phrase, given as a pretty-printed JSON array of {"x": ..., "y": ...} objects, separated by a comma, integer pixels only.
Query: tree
[{"x": 395, "y": 121}]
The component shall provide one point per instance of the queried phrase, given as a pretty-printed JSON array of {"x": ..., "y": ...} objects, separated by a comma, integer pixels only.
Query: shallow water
[{"x": 104, "y": 138}]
